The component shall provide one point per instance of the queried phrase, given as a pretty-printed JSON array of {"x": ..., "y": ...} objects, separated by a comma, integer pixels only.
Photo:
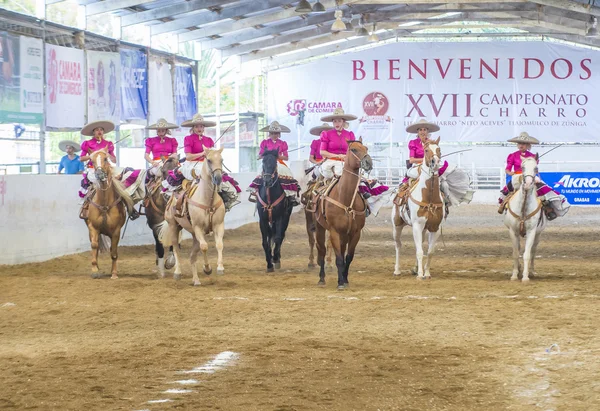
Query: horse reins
[
  {"x": 268, "y": 206},
  {"x": 522, "y": 218},
  {"x": 350, "y": 211},
  {"x": 211, "y": 210}
]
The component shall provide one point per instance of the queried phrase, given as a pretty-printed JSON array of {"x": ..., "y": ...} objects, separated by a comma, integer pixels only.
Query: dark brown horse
[
  {"x": 107, "y": 212},
  {"x": 342, "y": 212},
  {"x": 311, "y": 228},
  {"x": 155, "y": 204}
]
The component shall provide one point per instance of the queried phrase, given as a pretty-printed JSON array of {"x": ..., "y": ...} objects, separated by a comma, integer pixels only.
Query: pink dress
[
  {"x": 91, "y": 145},
  {"x": 416, "y": 150},
  {"x": 194, "y": 144},
  {"x": 315, "y": 149},
  {"x": 158, "y": 149},
  {"x": 269, "y": 145},
  {"x": 336, "y": 143},
  {"x": 513, "y": 161}
]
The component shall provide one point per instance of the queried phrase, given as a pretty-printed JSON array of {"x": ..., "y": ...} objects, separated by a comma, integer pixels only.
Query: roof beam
[
  {"x": 229, "y": 26},
  {"x": 275, "y": 29},
  {"x": 106, "y": 6},
  {"x": 168, "y": 11},
  {"x": 210, "y": 17},
  {"x": 570, "y": 6}
]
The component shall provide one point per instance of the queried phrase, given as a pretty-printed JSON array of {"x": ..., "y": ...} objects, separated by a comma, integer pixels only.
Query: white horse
[
  {"x": 206, "y": 214},
  {"x": 525, "y": 218},
  {"x": 424, "y": 210}
]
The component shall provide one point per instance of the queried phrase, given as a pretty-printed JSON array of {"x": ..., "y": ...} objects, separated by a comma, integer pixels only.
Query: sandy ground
[{"x": 469, "y": 339}]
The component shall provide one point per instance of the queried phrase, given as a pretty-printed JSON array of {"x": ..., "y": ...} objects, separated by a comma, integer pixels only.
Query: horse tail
[
  {"x": 162, "y": 231},
  {"x": 124, "y": 195},
  {"x": 103, "y": 243}
]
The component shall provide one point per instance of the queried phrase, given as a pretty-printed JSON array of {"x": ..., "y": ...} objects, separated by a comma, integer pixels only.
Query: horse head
[
  {"x": 358, "y": 156},
  {"x": 269, "y": 167},
  {"x": 169, "y": 164},
  {"x": 214, "y": 162},
  {"x": 102, "y": 167},
  {"x": 530, "y": 169},
  {"x": 432, "y": 155}
]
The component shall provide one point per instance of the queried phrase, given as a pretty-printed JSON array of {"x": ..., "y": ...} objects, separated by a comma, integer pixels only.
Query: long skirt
[{"x": 288, "y": 182}]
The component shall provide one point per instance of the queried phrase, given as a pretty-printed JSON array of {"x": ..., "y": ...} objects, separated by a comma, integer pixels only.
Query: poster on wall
[
  {"x": 476, "y": 92},
  {"x": 185, "y": 96},
  {"x": 65, "y": 101},
  {"x": 578, "y": 187},
  {"x": 134, "y": 85},
  {"x": 104, "y": 86},
  {"x": 160, "y": 91},
  {"x": 21, "y": 79}
]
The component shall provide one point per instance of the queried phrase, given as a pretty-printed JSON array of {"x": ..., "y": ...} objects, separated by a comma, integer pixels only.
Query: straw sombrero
[
  {"x": 339, "y": 113},
  {"x": 316, "y": 131},
  {"x": 524, "y": 138},
  {"x": 198, "y": 120},
  {"x": 162, "y": 123},
  {"x": 420, "y": 124},
  {"x": 275, "y": 127},
  {"x": 88, "y": 129},
  {"x": 63, "y": 145}
]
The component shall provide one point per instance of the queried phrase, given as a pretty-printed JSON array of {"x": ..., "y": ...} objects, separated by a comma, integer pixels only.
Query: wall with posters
[
  {"x": 21, "y": 79},
  {"x": 476, "y": 92},
  {"x": 104, "y": 86},
  {"x": 65, "y": 77}
]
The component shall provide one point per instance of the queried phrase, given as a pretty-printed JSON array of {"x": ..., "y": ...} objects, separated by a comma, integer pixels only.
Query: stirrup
[{"x": 252, "y": 197}]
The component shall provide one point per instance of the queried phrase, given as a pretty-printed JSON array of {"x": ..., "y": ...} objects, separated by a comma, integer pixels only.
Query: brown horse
[
  {"x": 342, "y": 211},
  {"x": 155, "y": 205},
  {"x": 311, "y": 228},
  {"x": 106, "y": 214}
]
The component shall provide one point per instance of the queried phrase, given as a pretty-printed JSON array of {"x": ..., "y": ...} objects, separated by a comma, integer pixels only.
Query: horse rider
[
  {"x": 196, "y": 145},
  {"x": 274, "y": 142},
  {"x": 554, "y": 204},
  {"x": 161, "y": 147}
]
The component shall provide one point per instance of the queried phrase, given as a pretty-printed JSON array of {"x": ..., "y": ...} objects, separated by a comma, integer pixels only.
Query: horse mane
[
  {"x": 123, "y": 193},
  {"x": 274, "y": 153}
]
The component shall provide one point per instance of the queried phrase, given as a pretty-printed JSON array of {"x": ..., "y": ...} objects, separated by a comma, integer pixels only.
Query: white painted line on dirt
[
  {"x": 551, "y": 296},
  {"x": 342, "y": 297},
  {"x": 293, "y": 299},
  {"x": 159, "y": 401},
  {"x": 177, "y": 391},
  {"x": 186, "y": 382},
  {"x": 377, "y": 298},
  {"x": 221, "y": 361},
  {"x": 9, "y": 305}
]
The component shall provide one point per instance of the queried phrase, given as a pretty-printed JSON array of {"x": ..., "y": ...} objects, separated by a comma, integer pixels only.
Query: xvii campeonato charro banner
[{"x": 475, "y": 91}]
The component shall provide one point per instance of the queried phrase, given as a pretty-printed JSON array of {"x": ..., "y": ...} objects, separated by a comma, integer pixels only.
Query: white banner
[
  {"x": 488, "y": 91},
  {"x": 65, "y": 102},
  {"x": 160, "y": 91},
  {"x": 32, "y": 75},
  {"x": 104, "y": 86}
]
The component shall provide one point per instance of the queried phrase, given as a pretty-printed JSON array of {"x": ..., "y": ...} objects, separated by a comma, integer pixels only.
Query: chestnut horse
[
  {"x": 107, "y": 212},
  {"x": 342, "y": 212}
]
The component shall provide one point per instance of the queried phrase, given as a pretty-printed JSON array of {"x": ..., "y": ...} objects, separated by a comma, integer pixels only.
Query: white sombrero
[
  {"x": 316, "y": 131},
  {"x": 162, "y": 123},
  {"x": 414, "y": 127},
  {"x": 339, "y": 113},
  {"x": 63, "y": 145},
  {"x": 275, "y": 127},
  {"x": 524, "y": 138},
  {"x": 88, "y": 129},
  {"x": 198, "y": 120}
]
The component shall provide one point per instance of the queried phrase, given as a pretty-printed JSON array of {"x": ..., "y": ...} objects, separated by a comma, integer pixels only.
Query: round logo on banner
[
  {"x": 52, "y": 77},
  {"x": 375, "y": 104}
]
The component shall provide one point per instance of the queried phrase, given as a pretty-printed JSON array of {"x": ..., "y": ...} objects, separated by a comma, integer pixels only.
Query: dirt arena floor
[{"x": 469, "y": 339}]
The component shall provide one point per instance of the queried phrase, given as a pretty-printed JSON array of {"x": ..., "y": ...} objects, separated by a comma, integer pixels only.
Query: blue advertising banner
[
  {"x": 579, "y": 188},
  {"x": 185, "y": 96},
  {"x": 134, "y": 85}
]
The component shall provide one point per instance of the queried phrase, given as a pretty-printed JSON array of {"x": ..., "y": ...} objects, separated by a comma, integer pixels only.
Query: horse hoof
[
  {"x": 207, "y": 272},
  {"x": 196, "y": 283},
  {"x": 270, "y": 270},
  {"x": 420, "y": 278},
  {"x": 114, "y": 277},
  {"x": 396, "y": 275},
  {"x": 321, "y": 283},
  {"x": 170, "y": 262},
  {"x": 525, "y": 280},
  {"x": 95, "y": 276},
  {"x": 311, "y": 265},
  {"x": 514, "y": 278},
  {"x": 177, "y": 277},
  {"x": 414, "y": 271},
  {"x": 277, "y": 265},
  {"x": 220, "y": 271},
  {"x": 341, "y": 287}
]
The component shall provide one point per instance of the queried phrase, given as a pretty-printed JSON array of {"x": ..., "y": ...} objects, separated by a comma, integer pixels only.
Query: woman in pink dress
[
  {"x": 555, "y": 204},
  {"x": 161, "y": 147}
]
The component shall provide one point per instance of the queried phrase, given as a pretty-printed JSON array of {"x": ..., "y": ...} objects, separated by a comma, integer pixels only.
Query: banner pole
[{"x": 42, "y": 166}]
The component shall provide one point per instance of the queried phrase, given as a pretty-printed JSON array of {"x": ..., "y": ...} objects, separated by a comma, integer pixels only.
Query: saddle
[{"x": 186, "y": 191}]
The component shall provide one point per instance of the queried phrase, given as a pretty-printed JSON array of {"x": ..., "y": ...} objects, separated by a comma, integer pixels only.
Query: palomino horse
[
  {"x": 342, "y": 212},
  {"x": 525, "y": 218},
  {"x": 106, "y": 214},
  {"x": 274, "y": 210},
  {"x": 206, "y": 214},
  {"x": 424, "y": 210},
  {"x": 155, "y": 205}
]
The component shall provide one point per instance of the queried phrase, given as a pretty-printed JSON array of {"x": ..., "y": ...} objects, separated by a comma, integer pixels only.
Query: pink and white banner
[
  {"x": 104, "y": 86},
  {"x": 160, "y": 91},
  {"x": 476, "y": 92},
  {"x": 65, "y": 101}
]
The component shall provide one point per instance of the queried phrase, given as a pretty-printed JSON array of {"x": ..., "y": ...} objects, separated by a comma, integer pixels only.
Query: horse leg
[
  {"x": 532, "y": 272},
  {"x": 418, "y": 238},
  {"x": 160, "y": 254},
  {"x": 265, "y": 230},
  {"x": 94, "y": 238},
  {"x": 204, "y": 248},
  {"x": 528, "y": 256},
  {"x": 219, "y": 233},
  {"x": 174, "y": 233},
  {"x": 329, "y": 253},
  {"x": 114, "y": 255},
  {"x": 310, "y": 226},
  {"x": 321, "y": 251},
  {"x": 433, "y": 237},
  {"x": 350, "y": 255},
  {"x": 516, "y": 241},
  {"x": 194, "y": 260},
  {"x": 339, "y": 245},
  {"x": 396, "y": 233}
]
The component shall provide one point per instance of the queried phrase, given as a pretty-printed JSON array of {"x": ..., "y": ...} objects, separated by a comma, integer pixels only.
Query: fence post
[{"x": 473, "y": 173}]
